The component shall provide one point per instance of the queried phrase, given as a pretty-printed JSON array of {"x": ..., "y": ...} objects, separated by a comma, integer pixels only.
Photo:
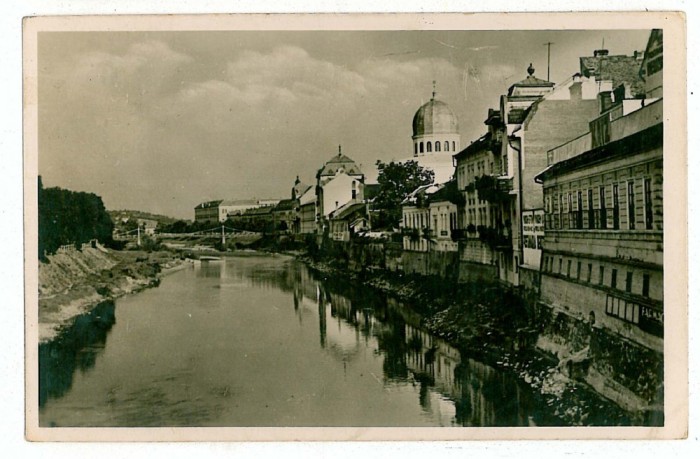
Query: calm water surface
[{"x": 259, "y": 341}]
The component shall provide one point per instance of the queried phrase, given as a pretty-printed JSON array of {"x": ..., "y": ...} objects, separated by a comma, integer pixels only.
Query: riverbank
[
  {"x": 73, "y": 282},
  {"x": 493, "y": 324}
]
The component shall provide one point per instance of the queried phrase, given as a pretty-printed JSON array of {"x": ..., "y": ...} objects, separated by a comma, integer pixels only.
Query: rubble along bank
[
  {"x": 491, "y": 323},
  {"x": 73, "y": 282}
]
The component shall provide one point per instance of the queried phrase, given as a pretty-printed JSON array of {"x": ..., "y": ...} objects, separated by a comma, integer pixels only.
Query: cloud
[{"x": 179, "y": 131}]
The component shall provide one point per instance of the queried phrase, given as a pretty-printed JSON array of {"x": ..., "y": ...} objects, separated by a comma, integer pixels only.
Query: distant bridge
[{"x": 218, "y": 232}]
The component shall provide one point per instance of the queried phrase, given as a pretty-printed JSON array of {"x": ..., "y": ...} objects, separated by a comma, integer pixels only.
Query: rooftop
[{"x": 620, "y": 69}]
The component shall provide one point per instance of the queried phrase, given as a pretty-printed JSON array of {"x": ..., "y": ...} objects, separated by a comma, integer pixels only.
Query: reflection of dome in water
[{"x": 435, "y": 117}]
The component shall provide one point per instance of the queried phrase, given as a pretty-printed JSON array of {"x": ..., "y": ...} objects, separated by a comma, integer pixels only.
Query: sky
[{"x": 161, "y": 121}]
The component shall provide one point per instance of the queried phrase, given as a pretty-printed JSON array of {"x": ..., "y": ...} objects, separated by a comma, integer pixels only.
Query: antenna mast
[{"x": 549, "y": 48}]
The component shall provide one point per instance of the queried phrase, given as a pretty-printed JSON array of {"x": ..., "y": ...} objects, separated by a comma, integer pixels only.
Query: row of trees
[{"x": 70, "y": 217}]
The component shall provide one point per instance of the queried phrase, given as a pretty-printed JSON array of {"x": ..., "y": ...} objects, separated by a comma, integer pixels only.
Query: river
[{"x": 258, "y": 340}]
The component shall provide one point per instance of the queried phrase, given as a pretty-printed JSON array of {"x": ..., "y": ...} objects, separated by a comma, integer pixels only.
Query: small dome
[{"x": 435, "y": 117}]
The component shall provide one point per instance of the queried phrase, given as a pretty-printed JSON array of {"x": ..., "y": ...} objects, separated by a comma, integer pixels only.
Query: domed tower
[{"x": 435, "y": 129}]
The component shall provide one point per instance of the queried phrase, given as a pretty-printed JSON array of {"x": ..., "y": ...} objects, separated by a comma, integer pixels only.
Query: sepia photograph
[{"x": 379, "y": 222}]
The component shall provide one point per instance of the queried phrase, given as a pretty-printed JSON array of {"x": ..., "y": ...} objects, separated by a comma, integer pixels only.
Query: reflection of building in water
[
  {"x": 341, "y": 326},
  {"x": 482, "y": 396}
]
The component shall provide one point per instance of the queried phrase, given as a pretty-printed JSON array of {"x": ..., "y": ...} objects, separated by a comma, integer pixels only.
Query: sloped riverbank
[{"x": 73, "y": 282}]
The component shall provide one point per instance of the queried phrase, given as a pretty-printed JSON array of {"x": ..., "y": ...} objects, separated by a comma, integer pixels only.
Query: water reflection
[
  {"x": 75, "y": 349},
  {"x": 477, "y": 394},
  {"x": 262, "y": 341}
]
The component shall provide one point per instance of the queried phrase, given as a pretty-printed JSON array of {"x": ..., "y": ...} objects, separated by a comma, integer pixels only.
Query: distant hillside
[{"x": 162, "y": 220}]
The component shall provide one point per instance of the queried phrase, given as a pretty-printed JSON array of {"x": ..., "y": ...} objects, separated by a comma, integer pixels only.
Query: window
[
  {"x": 616, "y": 207},
  {"x": 645, "y": 284},
  {"x": 613, "y": 278},
  {"x": 447, "y": 145},
  {"x": 630, "y": 205},
  {"x": 561, "y": 210},
  {"x": 453, "y": 146},
  {"x": 601, "y": 275},
  {"x": 354, "y": 190},
  {"x": 628, "y": 282},
  {"x": 415, "y": 149},
  {"x": 560, "y": 262},
  {"x": 579, "y": 211},
  {"x": 570, "y": 209},
  {"x": 421, "y": 147},
  {"x": 429, "y": 147},
  {"x": 603, "y": 212},
  {"x": 590, "y": 272},
  {"x": 648, "y": 210},
  {"x": 578, "y": 270},
  {"x": 568, "y": 268},
  {"x": 591, "y": 217},
  {"x": 437, "y": 146}
]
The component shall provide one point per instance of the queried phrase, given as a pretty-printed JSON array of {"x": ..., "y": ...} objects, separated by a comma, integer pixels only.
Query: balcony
[{"x": 504, "y": 184}]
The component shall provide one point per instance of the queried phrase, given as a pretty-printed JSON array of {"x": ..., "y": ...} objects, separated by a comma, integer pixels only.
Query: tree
[
  {"x": 396, "y": 181},
  {"x": 69, "y": 217}
]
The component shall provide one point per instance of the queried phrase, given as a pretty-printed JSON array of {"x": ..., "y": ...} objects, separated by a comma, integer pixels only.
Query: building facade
[
  {"x": 484, "y": 225},
  {"x": 338, "y": 182},
  {"x": 429, "y": 218},
  {"x": 603, "y": 195}
]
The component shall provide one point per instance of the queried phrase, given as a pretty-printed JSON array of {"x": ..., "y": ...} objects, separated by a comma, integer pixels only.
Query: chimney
[
  {"x": 604, "y": 100},
  {"x": 576, "y": 90},
  {"x": 600, "y": 53}
]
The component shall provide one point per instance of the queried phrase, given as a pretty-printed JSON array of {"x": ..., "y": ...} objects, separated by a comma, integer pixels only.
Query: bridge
[{"x": 217, "y": 232}]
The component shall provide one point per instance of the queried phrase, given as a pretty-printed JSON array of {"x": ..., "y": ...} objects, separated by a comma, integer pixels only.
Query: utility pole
[
  {"x": 549, "y": 47},
  {"x": 138, "y": 235}
]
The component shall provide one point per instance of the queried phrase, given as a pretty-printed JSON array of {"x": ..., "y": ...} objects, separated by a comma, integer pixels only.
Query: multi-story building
[
  {"x": 298, "y": 190},
  {"x": 219, "y": 210},
  {"x": 515, "y": 106},
  {"x": 338, "y": 182},
  {"x": 283, "y": 216},
  {"x": 258, "y": 219},
  {"x": 209, "y": 212},
  {"x": 307, "y": 212},
  {"x": 430, "y": 218},
  {"x": 484, "y": 225},
  {"x": 603, "y": 246},
  {"x": 348, "y": 220}
]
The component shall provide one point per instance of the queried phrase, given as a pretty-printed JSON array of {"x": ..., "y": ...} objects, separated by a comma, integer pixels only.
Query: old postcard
[{"x": 356, "y": 227}]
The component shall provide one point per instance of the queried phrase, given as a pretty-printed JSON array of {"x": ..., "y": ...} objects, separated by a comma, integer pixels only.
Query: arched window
[
  {"x": 421, "y": 147},
  {"x": 429, "y": 148},
  {"x": 437, "y": 146},
  {"x": 447, "y": 145},
  {"x": 454, "y": 148},
  {"x": 415, "y": 149}
]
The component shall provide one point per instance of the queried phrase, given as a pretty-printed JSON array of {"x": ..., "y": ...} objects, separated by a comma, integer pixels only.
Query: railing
[{"x": 598, "y": 219}]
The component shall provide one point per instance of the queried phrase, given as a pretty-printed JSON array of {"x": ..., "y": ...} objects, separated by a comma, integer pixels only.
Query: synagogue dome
[{"x": 434, "y": 117}]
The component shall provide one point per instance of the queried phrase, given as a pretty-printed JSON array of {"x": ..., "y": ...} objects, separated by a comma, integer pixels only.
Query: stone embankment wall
[{"x": 619, "y": 369}]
